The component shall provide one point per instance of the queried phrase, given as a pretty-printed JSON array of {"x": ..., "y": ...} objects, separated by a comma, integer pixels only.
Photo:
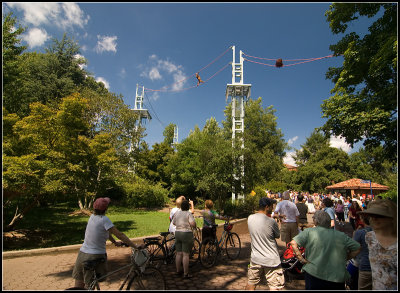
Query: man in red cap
[{"x": 99, "y": 228}]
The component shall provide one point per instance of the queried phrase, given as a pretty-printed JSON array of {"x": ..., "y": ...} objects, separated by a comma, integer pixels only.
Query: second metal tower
[{"x": 239, "y": 93}]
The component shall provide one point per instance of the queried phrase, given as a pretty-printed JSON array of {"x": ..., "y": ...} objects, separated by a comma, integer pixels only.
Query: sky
[{"x": 160, "y": 46}]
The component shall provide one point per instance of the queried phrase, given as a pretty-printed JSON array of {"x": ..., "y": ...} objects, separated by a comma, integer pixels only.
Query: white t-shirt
[
  {"x": 263, "y": 232},
  {"x": 172, "y": 227},
  {"x": 96, "y": 234},
  {"x": 289, "y": 209},
  {"x": 182, "y": 220}
]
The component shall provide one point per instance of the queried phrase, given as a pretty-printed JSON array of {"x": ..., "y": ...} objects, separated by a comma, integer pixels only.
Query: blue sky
[{"x": 158, "y": 44}]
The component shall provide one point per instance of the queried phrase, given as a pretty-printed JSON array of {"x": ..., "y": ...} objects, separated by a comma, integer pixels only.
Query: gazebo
[{"x": 358, "y": 187}]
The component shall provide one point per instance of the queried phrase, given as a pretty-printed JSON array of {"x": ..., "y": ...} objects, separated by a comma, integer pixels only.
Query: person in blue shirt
[
  {"x": 364, "y": 266},
  {"x": 327, "y": 206}
]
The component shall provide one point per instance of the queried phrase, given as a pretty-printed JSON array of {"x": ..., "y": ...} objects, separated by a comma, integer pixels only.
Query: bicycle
[
  {"x": 139, "y": 277},
  {"x": 211, "y": 247},
  {"x": 164, "y": 252}
]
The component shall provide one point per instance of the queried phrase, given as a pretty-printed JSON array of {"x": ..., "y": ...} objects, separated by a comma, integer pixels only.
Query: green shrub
[
  {"x": 144, "y": 195},
  {"x": 391, "y": 194},
  {"x": 241, "y": 208}
]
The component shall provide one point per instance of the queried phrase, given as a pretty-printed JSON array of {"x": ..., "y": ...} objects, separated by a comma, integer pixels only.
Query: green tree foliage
[
  {"x": 313, "y": 144},
  {"x": 263, "y": 143},
  {"x": 328, "y": 166},
  {"x": 372, "y": 165},
  {"x": 38, "y": 77},
  {"x": 11, "y": 60},
  {"x": 44, "y": 152},
  {"x": 169, "y": 134},
  {"x": 152, "y": 164},
  {"x": 49, "y": 152},
  {"x": 364, "y": 104},
  {"x": 202, "y": 165}
]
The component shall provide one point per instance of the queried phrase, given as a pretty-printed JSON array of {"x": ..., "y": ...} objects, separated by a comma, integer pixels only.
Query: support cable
[
  {"x": 179, "y": 90},
  {"x": 166, "y": 88},
  {"x": 155, "y": 114}
]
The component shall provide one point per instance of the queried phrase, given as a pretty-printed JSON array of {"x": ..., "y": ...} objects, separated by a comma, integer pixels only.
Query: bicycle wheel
[
  {"x": 156, "y": 254},
  {"x": 194, "y": 253},
  {"x": 150, "y": 279},
  {"x": 208, "y": 252},
  {"x": 232, "y": 246}
]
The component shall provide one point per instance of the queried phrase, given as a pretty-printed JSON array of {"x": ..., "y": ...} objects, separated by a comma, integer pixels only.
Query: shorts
[
  {"x": 183, "y": 241},
  {"x": 340, "y": 216},
  {"x": 101, "y": 269},
  {"x": 288, "y": 231},
  {"x": 274, "y": 276},
  {"x": 208, "y": 232}
]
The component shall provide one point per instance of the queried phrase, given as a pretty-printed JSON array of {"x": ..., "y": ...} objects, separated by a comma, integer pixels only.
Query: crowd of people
[{"x": 372, "y": 248}]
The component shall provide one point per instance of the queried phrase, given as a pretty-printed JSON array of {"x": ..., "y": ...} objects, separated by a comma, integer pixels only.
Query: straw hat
[{"x": 382, "y": 207}]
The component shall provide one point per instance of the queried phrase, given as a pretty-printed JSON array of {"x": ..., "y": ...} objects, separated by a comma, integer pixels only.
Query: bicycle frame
[
  {"x": 222, "y": 240},
  {"x": 96, "y": 280}
]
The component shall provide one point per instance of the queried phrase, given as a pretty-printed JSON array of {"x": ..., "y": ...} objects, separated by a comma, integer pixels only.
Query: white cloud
[
  {"x": 106, "y": 43},
  {"x": 339, "y": 143},
  {"x": 73, "y": 15},
  {"x": 158, "y": 68},
  {"x": 292, "y": 140},
  {"x": 63, "y": 15},
  {"x": 35, "y": 37},
  {"x": 103, "y": 80},
  {"x": 154, "y": 74},
  {"x": 288, "y": 159},
  {"x": 82, "y": 64}
]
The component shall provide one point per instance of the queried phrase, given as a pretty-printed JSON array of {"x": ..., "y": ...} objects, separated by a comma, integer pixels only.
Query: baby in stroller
[{"x": 291, "y": 265}]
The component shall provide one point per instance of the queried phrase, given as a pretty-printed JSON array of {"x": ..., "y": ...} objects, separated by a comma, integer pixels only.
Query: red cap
[{"x": 101, "y": 203}]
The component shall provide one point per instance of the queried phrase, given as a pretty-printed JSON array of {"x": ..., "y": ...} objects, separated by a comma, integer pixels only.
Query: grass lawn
[{"x": 58, "y": 226}]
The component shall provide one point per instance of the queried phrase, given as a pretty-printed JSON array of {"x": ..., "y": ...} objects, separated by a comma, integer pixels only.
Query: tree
[
  {"x": 328, "y": 166},
  {"x": 263, "y": 143},
  {"x": 364, "y": 104},
  {"x": 39, "y": 77},
  {"x": 202, "y": 165},
  {"x": 313, "y": 144},
  {"x": 11, "y": 59},
  {"x": 49, "y": 153},
  {"x": 168, "y": 133},
  {"x": 45, "y": 154}
]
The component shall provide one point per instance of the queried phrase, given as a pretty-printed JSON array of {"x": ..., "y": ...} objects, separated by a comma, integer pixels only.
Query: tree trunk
[
  {"x": 80, "y": 204},
  {"x": 18, "y": 216}
]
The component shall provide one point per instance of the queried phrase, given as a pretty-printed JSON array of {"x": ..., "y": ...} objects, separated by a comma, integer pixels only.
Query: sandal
[
  {"x": 178, "y": 273},
  {"x": 187, "y": 276}
]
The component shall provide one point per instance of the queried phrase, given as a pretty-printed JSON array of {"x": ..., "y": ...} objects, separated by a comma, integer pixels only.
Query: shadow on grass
[{"x": 51, "y": 227}]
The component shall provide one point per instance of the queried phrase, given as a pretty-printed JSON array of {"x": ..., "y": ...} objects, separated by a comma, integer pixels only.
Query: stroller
[{"x": 291, "y": 265}]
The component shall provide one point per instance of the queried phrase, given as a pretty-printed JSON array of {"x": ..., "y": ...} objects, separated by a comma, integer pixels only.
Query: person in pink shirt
[{"x": 339, "y": 210}]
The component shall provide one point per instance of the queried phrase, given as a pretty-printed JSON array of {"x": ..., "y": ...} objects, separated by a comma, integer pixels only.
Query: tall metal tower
[
  {"x": 143, "y": 114},
  {"x": 239, "y": 93},
  {"x": 175, "y": 140}
]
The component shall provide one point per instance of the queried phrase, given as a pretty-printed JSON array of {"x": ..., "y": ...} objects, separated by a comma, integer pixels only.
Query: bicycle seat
[
  {"x": 91, "y": 264},
  {"x": 164, "y": 234},
  {"x": 148, "y": 239}
]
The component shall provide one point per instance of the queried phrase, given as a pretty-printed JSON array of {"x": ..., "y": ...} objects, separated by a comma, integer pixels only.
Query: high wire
[
  {"x": 305, "y": 60},
  {"x": 165, "y": 89}
]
